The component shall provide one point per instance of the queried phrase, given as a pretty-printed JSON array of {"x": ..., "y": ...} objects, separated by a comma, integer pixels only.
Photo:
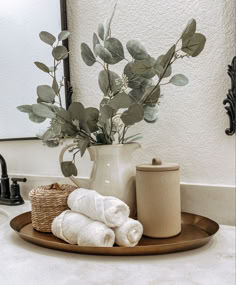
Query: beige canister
[{"x": 158, "y": 198}]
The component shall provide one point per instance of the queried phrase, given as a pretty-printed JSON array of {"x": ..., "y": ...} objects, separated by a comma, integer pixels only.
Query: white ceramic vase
[{"x": 113, "y": 172}]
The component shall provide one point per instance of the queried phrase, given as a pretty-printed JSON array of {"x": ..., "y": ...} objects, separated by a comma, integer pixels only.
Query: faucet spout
[{"x": 4, "y": 166}]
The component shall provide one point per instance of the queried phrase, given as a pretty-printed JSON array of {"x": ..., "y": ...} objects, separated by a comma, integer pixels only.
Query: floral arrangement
[{"x": 126, "y": 100}]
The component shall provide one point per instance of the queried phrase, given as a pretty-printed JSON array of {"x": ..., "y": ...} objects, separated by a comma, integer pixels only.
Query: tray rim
[{"x": 199, "y": 242}]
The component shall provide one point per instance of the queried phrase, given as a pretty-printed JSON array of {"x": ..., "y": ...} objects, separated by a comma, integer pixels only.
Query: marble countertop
[{"x": 25, "y": 263}]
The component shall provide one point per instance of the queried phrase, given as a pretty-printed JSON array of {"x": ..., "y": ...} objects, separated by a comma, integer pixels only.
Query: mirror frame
[{"x": 66, "y": 67}]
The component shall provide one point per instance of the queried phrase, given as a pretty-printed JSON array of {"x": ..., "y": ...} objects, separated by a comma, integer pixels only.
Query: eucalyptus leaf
[
  {"x": 135, "y": 81},
  {"x": 46, "y": 93},
  {"x": 63, "y": 35},
  {"x": 150, "y": 114},
  {"x": 95, "y": 42},
  {"x": 133, "y": 115},
  {"x": 145, "y": 67},
  {"x": 68, "y": 169},
  {"x": 60, "y": 52},
  {"x": 43, "y": 111},
  {"x": 104, "y": 54},
  {"x": 107, "y": 25},
  {"x": 25, "y": 108},
  {"x": 42, "y": 66},
  {"x": 48, "y": 135},
  {"x": 103, "y": 81},
  {"x": 77, "y": 111},
  {"x": 106, "y": 112},
  {"x": 92, "y": 115},
  {"x": 121, "y": 100},
  {"x": 55, "y": 86},
  {"x": 161, "y": 69},
  {"x": 64, "y": 116},
  {"x": 87, "y": 55},
  {"x": 52, "y": 143},
  {"x": 101, "y": 31},
  {"x": 114, "y": 46},
  {"x": 194, "y": 45},
  {"x": 190, "y": 29},
  {"x": 56, "y": 128},
  {"x": 47, "y": 38},
  {"x": 68, "y": 129},
  {"x": 136, "y": 50},
  {"x": 83, "y": 144},
  {"x": 136, "y": 95},
  {"x": 36, "y": 119},
  {"x": 131, "y": 137},
  {"x": 179, "y": 80}
]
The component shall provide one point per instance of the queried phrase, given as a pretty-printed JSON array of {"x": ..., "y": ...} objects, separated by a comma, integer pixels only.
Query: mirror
[{"x": 21, "y": 21}]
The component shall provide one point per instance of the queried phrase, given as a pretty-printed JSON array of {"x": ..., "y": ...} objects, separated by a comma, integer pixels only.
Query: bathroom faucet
[{"x": 9, "y": 197}]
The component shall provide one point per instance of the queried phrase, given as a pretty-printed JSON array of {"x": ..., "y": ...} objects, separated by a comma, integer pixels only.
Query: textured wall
[{"x": 192, "y": 119}]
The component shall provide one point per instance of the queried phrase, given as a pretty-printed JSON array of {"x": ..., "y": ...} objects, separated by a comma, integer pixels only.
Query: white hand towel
[
  {"x": 108, "y": 210},
  {"x": 129, "y": 233},
  {"x": 78, "y": 229}
]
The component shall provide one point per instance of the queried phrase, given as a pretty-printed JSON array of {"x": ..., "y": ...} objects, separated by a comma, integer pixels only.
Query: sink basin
[{"x": 3, "y": 216}]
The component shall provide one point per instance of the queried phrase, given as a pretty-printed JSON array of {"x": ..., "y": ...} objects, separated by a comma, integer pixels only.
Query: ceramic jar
[{"x": 158, "y": 198}]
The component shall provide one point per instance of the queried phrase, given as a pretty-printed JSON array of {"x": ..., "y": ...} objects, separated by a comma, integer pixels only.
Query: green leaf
[
  {"x": 95, "y": 42},
  {"x": 106, "y": 112},
  {"x": 114, "y": 46},
  {"x": 42, "y": 66},
  {"x": 136, "y": 95},
  {"x": 60, "y": 52},
  {"x": 121, "y": 100},
  {"x": 77, "y": 111},
  {"x": 47, "y": 38},
  {"x": 150, "y": 114},
  {"x": 46, "y": 93},
  {"x": 101, "y": 31},
  {"x": 160, "y": 68},
  {"x": 194, "y": 45},
  {"x": 55, "y": 86},
  {"x": 36, "y": 119},
  {"x": 64, "y": 116},
  {"x": 92, "y": 115},
  {"x": 52, "y": 143},
  {"x": 145, "y": 67},
  {"x": 136, "y": 50},
  {"x": 68, "y": 129},
  {"x": 190, "y": 29},
  {"x": 152, "y": 94},
  {"x": 103, "y": 81},
  {"x": 68, "y": 169},
  {"x": 133, "y": 115},
  {"x": 87, "y": 55},
  {"x": 135, "y": 81},
  {"x": 63, "y": 35},
  {"x": 48, "y": 135},
  {"x": 131, "y": 137},
  {"x": 103, "y": 53},
  {"x": 179, "y": 80},
  {"x": 43, "y": 111},
  {"x": 83, "y": 144},
  {"x": 25, "y": 108},
  {"x": 107, "y": 25}
]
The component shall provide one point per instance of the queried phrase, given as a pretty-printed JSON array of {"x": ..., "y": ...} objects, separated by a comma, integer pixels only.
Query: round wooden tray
[{"x": 196, "y": 232}]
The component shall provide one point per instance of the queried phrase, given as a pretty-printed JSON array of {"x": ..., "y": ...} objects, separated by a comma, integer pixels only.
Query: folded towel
[
  {"x": 75, "y": 228},
  {"x": 109, "y": 210},
  {"x": 129, "y": 233}
]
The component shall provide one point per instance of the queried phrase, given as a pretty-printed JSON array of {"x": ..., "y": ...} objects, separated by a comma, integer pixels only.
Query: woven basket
[{"x": 47, "y": 203}]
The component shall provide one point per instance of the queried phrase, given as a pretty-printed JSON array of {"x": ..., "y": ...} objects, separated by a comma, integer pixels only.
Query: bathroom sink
[{"x": 3, "y": 216}]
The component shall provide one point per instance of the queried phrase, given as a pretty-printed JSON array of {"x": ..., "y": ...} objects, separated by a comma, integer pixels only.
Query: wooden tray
[{"x": 196, "y": 232}]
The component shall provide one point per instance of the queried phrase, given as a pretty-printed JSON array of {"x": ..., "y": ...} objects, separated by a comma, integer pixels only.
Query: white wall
[{"x": 192, "y": 119}]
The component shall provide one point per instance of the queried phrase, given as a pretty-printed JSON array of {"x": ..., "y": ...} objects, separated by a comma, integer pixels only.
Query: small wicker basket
[{"x": 47, "y": 203}]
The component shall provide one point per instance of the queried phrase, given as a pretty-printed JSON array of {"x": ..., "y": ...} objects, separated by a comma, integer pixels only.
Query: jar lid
[{"x": 157, "y": 165}]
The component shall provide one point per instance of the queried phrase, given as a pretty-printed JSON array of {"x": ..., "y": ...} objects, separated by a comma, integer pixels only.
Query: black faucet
[{"x": 9, "y": 197}]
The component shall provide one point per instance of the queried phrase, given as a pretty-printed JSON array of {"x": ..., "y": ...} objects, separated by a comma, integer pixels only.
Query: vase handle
[{"x": 61, "y": 159}]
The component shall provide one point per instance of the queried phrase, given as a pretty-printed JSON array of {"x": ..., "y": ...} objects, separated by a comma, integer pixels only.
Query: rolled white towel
[
  {"x": 129, "y": 234},
  {"x": 108, "y": 210},
  {"x": 78, "y": 229}
]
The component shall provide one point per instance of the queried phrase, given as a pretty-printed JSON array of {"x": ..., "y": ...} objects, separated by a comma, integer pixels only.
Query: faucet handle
[
  {"x": 15, "y": 191},
  {"x": 15, "y": 180}
]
